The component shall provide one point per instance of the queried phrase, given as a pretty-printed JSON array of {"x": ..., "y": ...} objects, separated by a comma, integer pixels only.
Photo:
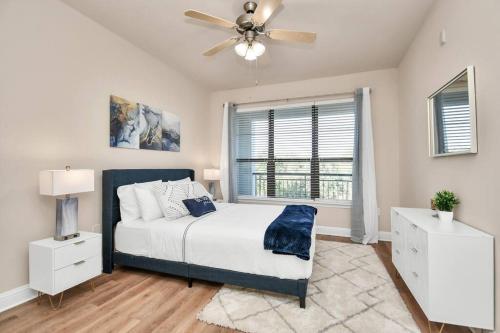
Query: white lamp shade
[
  {"x": 241, "y": 49},
  {"x": 250, "y": 56},
  {"x": 61, "y": 182},
  {"x": 211, "y": 174},
  {"x": 258, "y": 48}
]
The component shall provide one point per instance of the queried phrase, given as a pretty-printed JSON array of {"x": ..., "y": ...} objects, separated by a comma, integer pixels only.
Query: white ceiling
[{"x": 353, "y": 36}]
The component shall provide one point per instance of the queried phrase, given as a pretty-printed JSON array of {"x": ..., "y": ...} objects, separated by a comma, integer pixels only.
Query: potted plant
[{"x": 445, "y": 201}]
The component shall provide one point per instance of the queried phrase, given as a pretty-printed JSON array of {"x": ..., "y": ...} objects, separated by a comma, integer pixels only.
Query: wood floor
[{"x": 132, "y": 300}]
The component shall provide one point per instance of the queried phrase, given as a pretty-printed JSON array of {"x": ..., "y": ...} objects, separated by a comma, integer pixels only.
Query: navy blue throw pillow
[{"x": 199, "y": 206}]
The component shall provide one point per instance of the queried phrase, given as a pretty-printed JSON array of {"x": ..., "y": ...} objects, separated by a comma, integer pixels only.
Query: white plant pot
[{"x": 445, "y": 217}]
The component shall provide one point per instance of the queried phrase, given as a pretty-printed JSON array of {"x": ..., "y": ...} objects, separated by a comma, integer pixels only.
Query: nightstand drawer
[
  {"x": 77, "y": 251},
  {"x": 77, "y": 273}
]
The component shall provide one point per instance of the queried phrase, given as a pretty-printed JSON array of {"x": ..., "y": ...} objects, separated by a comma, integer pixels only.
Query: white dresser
[
  {"x": 55, "y": 266},
  {"x": 448, "y": 268}
]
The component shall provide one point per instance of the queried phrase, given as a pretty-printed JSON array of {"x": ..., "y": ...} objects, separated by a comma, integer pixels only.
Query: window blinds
[
  {"x": 250, "y": 134},
  {"x": 335, "y": 149},
  {"x": 302, "y": 151}
]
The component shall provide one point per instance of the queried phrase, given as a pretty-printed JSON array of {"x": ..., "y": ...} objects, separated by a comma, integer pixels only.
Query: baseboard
[
  {"x": 346, "y": 232},
  {"x": 16, "y": 296}
]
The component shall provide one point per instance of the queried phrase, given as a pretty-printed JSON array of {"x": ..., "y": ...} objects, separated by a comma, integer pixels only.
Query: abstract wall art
[
  {"x": 171, "y": 132},
  {"x": 139, "y": 126}
]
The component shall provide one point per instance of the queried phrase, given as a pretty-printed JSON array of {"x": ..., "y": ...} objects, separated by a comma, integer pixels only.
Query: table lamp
[
  {"x": 66, "y": 182},
  {"x": 211, "y": 174}
]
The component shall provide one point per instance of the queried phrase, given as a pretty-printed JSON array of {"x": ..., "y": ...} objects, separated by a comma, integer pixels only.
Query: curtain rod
[{"x": 306, "y": 98}]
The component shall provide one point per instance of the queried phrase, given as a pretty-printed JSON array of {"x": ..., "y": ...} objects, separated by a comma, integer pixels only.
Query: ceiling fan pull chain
[{"x": 256, "y": 72}]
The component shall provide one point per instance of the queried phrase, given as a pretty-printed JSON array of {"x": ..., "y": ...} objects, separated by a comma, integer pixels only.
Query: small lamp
[
  {"x": 66, "y": 182},
  {"x": 211, "y": 174}
]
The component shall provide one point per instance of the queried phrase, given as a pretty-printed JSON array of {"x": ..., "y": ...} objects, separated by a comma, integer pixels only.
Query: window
[{"x": 301, "y": 151}]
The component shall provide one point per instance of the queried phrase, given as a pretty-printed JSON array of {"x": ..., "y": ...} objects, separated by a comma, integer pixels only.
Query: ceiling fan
[{"x": 251, "y": 28}]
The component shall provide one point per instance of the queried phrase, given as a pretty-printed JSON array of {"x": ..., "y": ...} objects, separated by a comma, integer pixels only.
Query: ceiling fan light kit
[
  {"x": 250, "y": 51},
  {"x": 250, "y": 26}
]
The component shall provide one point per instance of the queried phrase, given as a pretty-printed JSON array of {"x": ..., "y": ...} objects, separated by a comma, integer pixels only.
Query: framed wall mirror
[{"x": 452, "y": 117}]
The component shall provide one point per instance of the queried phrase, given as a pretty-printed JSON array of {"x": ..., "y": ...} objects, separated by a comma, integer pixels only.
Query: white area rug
[{"x": 349, "y": 291}]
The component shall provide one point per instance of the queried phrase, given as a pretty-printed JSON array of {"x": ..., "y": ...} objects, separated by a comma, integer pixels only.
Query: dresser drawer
[
  {"x": 398, "y": 258},
  {"x": 77, "y": 251},
  {"x": 77, "y": 273},
  {"x": 413, "y": 280},
  {"x": 417, "y": 263},
  {"x": 398, "y": 242},
  {"x": 397, "y": 225},
  {"x": 414, "y": 236},
  {"x": 416, "y": 280}
]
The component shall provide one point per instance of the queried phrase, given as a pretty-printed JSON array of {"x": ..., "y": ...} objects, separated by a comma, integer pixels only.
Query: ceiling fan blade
[
  {"x": 264, "y": 10},
  {"x": 291, "y": 36},
  {"x": 222, "y": 45},
  {"x": 209, "y": 18}
]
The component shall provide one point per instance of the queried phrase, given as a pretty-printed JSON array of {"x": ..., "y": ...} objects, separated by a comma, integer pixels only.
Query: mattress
[
  {"x": 231, "y": 238},
  {"x": 160, "y": 239}
]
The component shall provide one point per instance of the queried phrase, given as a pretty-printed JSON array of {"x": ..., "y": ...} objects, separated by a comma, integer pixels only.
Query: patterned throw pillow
[
  {"x": 170, "y": 199},
  {"x": 197, "y": 190},
  {"x": 199, "y": 206},
  {"x": 180, "y": 181}
]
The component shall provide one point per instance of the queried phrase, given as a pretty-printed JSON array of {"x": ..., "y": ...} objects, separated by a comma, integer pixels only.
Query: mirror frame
[{"x": 471, "y": 87}]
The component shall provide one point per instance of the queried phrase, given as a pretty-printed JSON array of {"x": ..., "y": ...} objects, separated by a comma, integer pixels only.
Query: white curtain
[
  {"x": 370, "y": 207},
  {"x": 224, "y": 155}
]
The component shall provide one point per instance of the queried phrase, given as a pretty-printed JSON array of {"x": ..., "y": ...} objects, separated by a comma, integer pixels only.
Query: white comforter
[{"x": 231, "y": 238}]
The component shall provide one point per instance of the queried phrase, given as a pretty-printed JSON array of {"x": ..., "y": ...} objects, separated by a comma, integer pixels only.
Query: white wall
[
  {"x": 473, "y": 30},
  {"x": 385, "y": 124},
  {"x": 57, "y": 70}
]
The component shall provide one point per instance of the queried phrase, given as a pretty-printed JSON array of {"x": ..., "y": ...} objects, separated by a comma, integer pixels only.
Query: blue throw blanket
[{"x": 290, "y": 232}]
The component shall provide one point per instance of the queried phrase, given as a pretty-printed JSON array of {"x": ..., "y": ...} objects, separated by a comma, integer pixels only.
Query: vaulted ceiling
[{"x": 353, "y": 36}]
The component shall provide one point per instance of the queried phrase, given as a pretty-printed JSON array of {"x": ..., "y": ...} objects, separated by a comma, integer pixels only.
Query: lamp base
[
  {"x": 66, "y": 219},
  {"x": 211, "y": 188},
  {"x": 63, "y": 238}
]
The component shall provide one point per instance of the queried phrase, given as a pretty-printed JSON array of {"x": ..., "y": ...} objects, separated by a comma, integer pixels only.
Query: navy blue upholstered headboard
[{"x": 111, "y": 180}]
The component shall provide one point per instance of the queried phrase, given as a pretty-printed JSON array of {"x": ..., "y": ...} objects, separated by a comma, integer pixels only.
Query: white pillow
[
  {"x": 180, "y": 181},
  {"x": 146, "y": 199},
  {"x": 197, "y": 190},
  {"x": 129, "y": 207},
  {"x": 170, "y": 199}
]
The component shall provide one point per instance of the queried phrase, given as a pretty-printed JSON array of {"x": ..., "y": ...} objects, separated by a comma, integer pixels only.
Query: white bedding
[
  {"x": 231, "y": 238},
  {"x": 160, "y": 238}
]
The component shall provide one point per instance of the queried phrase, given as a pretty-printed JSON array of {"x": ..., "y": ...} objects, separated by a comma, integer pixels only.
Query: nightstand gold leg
[
  {"x": 430, "y": 329},
  {"x": 58, "y": 304},
  {"x": 39, "y": 297},
  {"x": 92, "y": 285}
]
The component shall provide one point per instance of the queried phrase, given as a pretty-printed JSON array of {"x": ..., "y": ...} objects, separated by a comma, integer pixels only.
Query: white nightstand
[{"x": 55, "y": 266}]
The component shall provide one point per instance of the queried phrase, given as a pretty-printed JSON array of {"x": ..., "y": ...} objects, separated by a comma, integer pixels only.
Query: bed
[{"x": 224, "y": 246}]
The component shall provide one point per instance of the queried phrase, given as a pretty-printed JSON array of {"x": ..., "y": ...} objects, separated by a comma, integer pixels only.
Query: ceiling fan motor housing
[{"x": 245, "y": 22}]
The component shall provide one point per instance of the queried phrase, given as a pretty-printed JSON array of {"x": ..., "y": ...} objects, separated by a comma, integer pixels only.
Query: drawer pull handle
[
  {"x": 397, "y": 251},
  {"x": 396, "y": 232},
  {"x": 415, "y": 274},
  {"x": 414, "y": 250},
  {"x": 80, "y": 242},
  {"x": 414, "y": 226},
  {"x": 79, "y": 263}
]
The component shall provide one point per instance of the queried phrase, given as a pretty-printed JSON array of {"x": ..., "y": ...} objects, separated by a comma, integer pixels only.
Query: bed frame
[{"x": 112, "y": 179}]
